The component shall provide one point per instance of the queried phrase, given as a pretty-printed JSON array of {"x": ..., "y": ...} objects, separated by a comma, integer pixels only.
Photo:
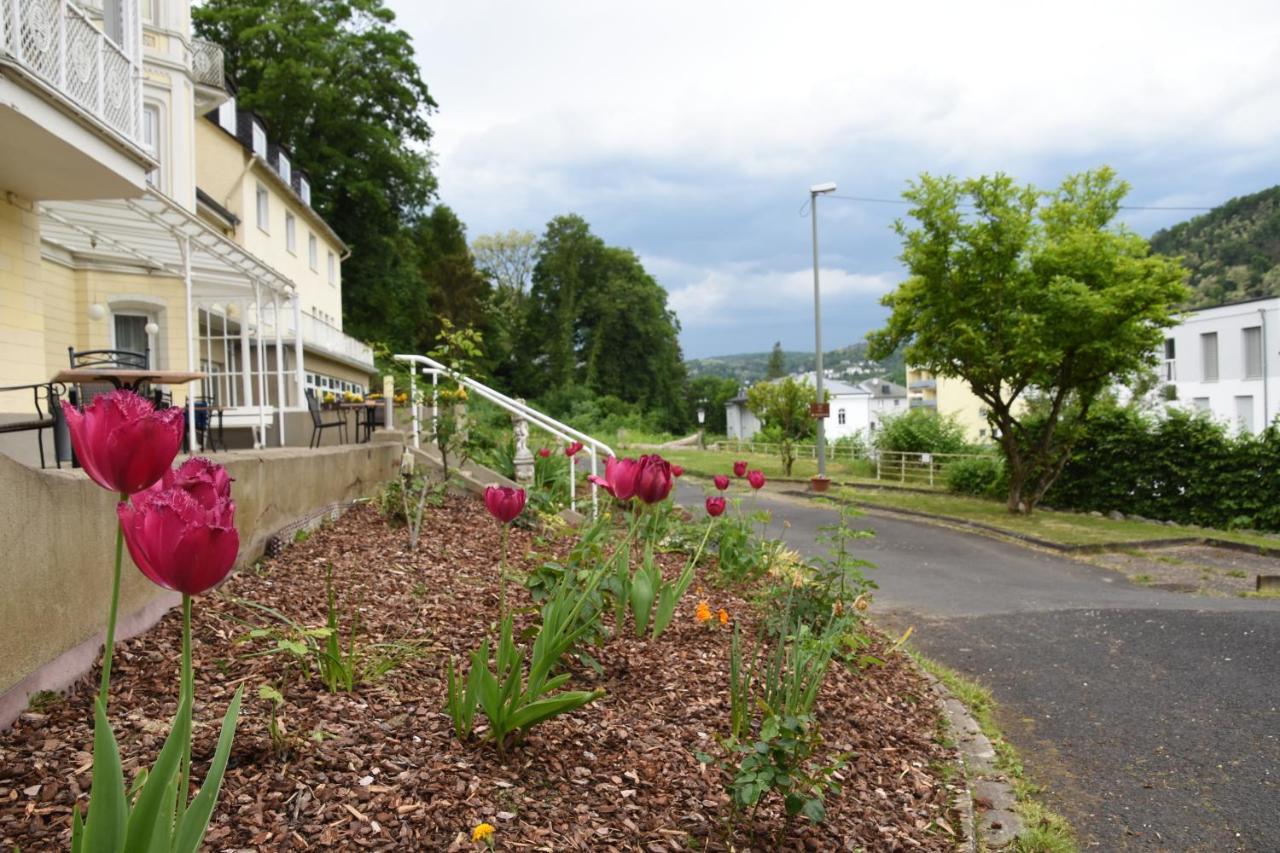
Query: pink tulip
[
  {"x": 739, "y": 468},
  {"x": 544, "y": 452},
  {"x": 676, "y": 471},
  {"x": 124, "y": 443},
  {"x": 756, "y": 479},
  {"x": 619, "y": 477},
  {"x": 573, "y": 448},
  {"x": 721, "y": 481},
  {"x": 178, "y": 541},
  {"x": 654, "y": 481},
  {"x": 715, "y": 506},
  {"x": 205, "y": 480},
  {"x": 504, "y": 502}
]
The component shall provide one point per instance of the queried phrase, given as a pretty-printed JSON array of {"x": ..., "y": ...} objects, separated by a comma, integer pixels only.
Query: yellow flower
[
  {"x": 724, "y": 616},
  {"x": 462, "y": 393},
  {"x": 703, "y": 613},
  {"x": 482, "y": 832}
]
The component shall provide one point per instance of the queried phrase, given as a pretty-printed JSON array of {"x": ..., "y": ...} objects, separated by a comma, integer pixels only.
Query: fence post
[
  {"x": 931, "y": 470},
  {"x": 902, "y": 467},
  {"x": 879, "y": 456}
]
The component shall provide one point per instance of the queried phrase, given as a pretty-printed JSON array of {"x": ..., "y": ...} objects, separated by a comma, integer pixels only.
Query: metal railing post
[{"x": 413, "y": 402}]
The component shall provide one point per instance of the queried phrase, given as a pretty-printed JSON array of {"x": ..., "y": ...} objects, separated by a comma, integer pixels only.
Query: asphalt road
[{"x": 1152, "y": 718}]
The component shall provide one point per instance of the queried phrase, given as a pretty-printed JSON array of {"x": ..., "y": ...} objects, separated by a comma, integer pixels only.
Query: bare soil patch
[
  {"x": 379, "y": 768},
  {"x": 1202, "y": 569}
]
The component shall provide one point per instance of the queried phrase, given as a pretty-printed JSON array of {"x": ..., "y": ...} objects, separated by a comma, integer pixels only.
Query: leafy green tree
[
  {"x": 507, "y": 258},
  {"x": 456, "y": 291},
  {"x": 783, "y": 408},
  {"x": 777, "y": 363},
  {"x": 338, "y": 83},
  {"x": 1028, "y": 292}
]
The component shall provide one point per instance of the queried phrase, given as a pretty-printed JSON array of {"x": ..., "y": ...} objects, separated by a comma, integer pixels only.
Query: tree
[
  {"x": 921, "y": 431},
  {"x": 508, "y": 259},
  {"x": 456, "y": 291},
  {"x": 338, "y": 84},
  {"x": 711, "y": 393},
  {"x": 777, "y": 363},
  {"x": 783, "y": 408},
  {"x": 1028, "y": 294}
]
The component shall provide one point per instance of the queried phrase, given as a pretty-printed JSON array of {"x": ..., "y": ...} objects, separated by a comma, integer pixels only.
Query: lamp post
[
  {"x": 820, "y": 481},
  {"x": 702, "y": 419}
]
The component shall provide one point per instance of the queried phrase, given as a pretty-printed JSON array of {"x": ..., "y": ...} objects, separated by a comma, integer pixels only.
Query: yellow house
[
  {"x": 130, "y": 221},
  {"x": 948, "y": 396}
]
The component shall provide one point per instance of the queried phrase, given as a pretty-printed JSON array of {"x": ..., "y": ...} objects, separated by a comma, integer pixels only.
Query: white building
[
  {"x": 1224, "y": 360},
  {"x": 855, "y": 409}
]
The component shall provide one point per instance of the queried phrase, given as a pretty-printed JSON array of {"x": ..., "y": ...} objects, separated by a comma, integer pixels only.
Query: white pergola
[{"x": 158, "y": 236}]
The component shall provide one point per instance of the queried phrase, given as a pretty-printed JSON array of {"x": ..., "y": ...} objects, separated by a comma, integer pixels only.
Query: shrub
[
  {"x": 983, "y": 476},
  {"x": 921, "y": 431}
]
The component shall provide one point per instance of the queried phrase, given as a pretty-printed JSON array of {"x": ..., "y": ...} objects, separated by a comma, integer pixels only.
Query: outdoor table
[
  {"x": 371, "y": 408},
  {"x": 127, "y": 378}
]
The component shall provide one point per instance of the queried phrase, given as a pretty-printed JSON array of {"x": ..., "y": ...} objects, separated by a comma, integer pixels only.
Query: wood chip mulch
[{"x": 379, "y": 768}]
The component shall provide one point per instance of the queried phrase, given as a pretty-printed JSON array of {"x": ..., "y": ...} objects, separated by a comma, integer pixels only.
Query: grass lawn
[
  {"x": 1061, "y": 527},
  {"x": 710, "y": 462}
]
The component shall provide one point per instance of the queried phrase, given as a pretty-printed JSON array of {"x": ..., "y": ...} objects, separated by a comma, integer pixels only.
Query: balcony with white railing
[
  {"x": 319, "y": 336},
  {"x": 58, "y": 43},
  {"x": 207, "y": 72},
  {"x": 71, "y": 100}
]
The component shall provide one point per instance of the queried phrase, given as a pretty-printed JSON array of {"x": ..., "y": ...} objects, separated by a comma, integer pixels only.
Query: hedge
[{"x": 1178, "y": 466}]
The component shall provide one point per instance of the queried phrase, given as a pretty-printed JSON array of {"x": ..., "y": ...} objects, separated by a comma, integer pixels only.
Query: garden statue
[{"x": 523, "y": 457}]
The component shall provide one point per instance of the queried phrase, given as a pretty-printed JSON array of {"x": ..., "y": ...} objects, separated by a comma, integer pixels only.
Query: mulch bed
[{"x": 379, "y": 769}]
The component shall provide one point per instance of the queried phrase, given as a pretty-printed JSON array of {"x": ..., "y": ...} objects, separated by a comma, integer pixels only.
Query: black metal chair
[
  {"x": 207, "y": 433},
  {"x": 124, "y": 359},
  {"x": 319, "y": 424},
  {"x": 48, "y": 415}
]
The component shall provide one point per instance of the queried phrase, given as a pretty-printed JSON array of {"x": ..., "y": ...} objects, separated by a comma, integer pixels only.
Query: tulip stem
[
  {"x": 502, "y": 577},
  {"x": 186, "y": 691},
  {"x": 108, "y": 649}
]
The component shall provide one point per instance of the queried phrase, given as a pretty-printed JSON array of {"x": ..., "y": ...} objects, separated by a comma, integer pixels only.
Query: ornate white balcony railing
[
  {"x": 319, "y": 335},
  {"x": 207, "y": 64},
  {"x": 56, "y": 42}
]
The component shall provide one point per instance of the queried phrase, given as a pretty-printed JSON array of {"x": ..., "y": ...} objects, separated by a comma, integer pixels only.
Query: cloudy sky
[{"x": 690, "y": 131}]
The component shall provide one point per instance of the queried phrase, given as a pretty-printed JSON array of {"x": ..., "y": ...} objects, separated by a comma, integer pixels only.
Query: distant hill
[
  {"x": 1232, "y": 252},
  {"x": 850, "y": 363}
]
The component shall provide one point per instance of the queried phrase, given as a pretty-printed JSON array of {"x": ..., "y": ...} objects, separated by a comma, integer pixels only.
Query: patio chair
[
  {"x": 319, "y": 424},
  {"x": 83, "y": 393},
  {"x": 209, "y": 423},
  {"x": 48, "y": 415}
]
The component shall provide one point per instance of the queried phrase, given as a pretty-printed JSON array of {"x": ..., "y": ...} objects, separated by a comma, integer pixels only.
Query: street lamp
[
  {"x": 820, "y": 481},
  {"x": 702, "y": 419}
]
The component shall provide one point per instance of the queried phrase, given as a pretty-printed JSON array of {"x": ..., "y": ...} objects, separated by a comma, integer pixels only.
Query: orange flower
[
  {"x": 703, "y": 613},
  {"x": 724, "y": 616}
]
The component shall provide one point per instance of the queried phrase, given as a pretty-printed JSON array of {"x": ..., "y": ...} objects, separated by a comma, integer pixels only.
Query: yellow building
[
  {"x": 131, "y": 221},
  {"x": 949, "y": 396}
]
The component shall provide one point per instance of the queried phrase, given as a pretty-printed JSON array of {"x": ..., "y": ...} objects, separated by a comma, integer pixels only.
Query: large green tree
[
  {"x": 777, "y": 362},
  {"x": 338, "y": 83},
  {"x": 1024, "y": 293}
]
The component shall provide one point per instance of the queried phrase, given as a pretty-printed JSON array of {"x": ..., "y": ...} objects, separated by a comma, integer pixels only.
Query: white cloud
[{"x": 726, "y": 296}]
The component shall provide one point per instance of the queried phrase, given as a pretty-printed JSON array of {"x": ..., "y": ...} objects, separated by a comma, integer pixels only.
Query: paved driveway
[{"x": 1152, "y": 717}]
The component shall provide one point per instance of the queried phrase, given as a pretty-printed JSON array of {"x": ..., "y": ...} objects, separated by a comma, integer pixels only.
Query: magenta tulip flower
[
  {"x": 205, "y": 480},
  {"x": 573, "y": 448},
  {"x": 124, "y": 443},
  {"x": 179, "y": 541},
  {"x": 721, "y": 481},
  {"x": 677, "y": 471},
  {"x": 619, "y": 477},
  {"x": 756, "y": 479},
  {"x": 504, "y": 503},
  {"x": 715, "y": 506},
  {"x": 654, "y": 481},
  {"x": 544, "y": 452},
  {"x": 739, "y": 468}
]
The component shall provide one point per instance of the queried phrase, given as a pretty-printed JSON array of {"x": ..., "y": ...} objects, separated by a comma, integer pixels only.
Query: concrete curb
[{"x": 986, "y": 803}]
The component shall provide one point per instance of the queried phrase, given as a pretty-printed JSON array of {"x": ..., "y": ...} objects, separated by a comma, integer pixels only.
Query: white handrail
[{"x": 546, "y": 422}]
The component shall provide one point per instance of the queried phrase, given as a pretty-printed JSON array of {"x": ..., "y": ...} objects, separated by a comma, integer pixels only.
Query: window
[
  {"x": 1170, "y": 355},
  {"x": 1252, "y": 339},
  {"x": 840, "y": 416},
  {"x": 290, "y": 234},
  {"x": 333, "y": 269},
  {"x": 283, "y": 167},
  {"x": 1244, "y": 413},
  {"x": 259, "y": 140},
  {"x": 130, "y": 332},
  {"x": 149, "y": 11},
  {"x": 1209, "y": 356},
  {"x": 264, "y": 209},
  {"x": 313, "y": 252},
  {"x": 884, "y": 389},
  {"x": 304, "y": 190},
  {"x": 1201, "y": 404},
  {"x": 227, "y": 116},
  {"x": 151, "y": 138}
]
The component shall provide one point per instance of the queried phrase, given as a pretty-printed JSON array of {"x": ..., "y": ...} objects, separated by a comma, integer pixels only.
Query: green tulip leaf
[
  {"x": 196, "y": 821},
  {"x": 149, "y": 812},
  {"x": 105, "y": 828}
]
